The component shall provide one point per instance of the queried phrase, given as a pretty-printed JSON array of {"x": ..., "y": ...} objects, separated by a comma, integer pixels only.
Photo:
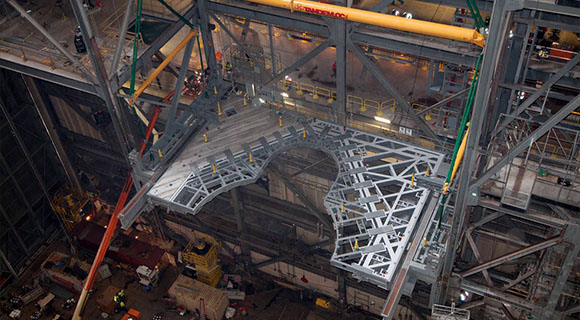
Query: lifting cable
[
  {"x": 182, "y": 18},
  {"x": 475, "y": 14},
  {"x": 460, "y": 134}
]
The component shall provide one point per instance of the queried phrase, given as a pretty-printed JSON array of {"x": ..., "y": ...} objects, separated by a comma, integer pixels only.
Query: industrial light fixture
[
  {"x": 284, "y": 94},
  {"x": 381, "y": 119},
  {"x": 262, "y": 100}
]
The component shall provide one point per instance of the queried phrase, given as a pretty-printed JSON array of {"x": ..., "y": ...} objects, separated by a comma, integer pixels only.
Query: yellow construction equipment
[
  {"x": 379, "y": 19},
  {"x": 203, "y": 254},
  {"x": 69, "y": 203}
]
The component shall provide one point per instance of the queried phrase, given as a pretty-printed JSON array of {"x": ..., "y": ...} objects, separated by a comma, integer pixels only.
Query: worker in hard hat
[{"x": 228, "y": 69}]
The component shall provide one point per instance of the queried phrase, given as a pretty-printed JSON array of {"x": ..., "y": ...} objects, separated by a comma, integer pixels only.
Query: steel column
[
  {"x": 117, "y": 114},
  {"x": 525, "y": 143},
  {"x": 497, "y": 31},
  {"x": 240, "y": 222},
  {"x": 206, "y": 37},
  {"x": 49, "y": 127},
  {"x": 122, "y": 33},
  {"x": 272, "y": 55},
  {"x": 179, "y": 85},
  {"x": 478, "y": 257},
  {"x": 340, "y": 40},
  {"x": 385, "y": 83}
]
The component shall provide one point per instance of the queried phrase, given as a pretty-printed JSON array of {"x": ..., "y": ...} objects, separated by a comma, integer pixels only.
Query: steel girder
[
  {"x": 374, "y": 203},
  {"x": 363, "y": 36}
]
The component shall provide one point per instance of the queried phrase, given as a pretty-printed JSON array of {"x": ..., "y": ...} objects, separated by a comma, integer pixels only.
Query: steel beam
[
  {"x": 272, "y": 52},
  {"x": 530, "y": 216},
  {"x": 231, "y": 35},
  {"x": 208, "y": 44},
  {"x": 179, "y": 85},
  {"x": 401, "y": 101},
  {"x": 552, "y": 8},
  {"x": 340, "y": 40},
  {"x": 518, "y": 280},
  {"x": 512, "y": 256},
  {"x": 62, "y": 79},
  {"x": 8, "y": 265},
  {"x": 541, "y": 91},
  {"x": 236, "y": 203},
  {"x": 497, "y": 32},
  {"x": 324, "y": 218},
  {"x": 117, "y": 114},
  {"x": 478, "y": 256},
  {"x": 153, "y": 48},
  {"x": 361, "y": 35},
  {"x": 551, "y": 94},
  {"x": 444, "y": 101},
  {"x": 8, "y": 219},
  {"x": 33, "y": 168},
  {"x": 572, "y": 239},
  {"x": 486, "y": 291},
  {"x": 49, "y": 127},
  {"x": 309, "y": 56},
  {"x": 52, "y": 40},
  {"x": 120, "y": 43},
  {"x": 525, "y": 143}
]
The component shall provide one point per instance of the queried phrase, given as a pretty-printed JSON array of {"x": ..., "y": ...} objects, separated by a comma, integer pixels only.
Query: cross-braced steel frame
[{"x": 375, "y": 201}]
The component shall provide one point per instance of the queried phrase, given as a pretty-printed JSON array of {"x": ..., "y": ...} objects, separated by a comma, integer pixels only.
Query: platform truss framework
[{"x": 374, "y": 203}]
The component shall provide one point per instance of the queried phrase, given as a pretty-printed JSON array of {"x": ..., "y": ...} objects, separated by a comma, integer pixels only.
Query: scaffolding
[{"x": 69, "y": 203}]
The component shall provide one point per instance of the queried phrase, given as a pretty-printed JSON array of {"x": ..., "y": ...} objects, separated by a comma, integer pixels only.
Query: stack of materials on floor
[
  {"x": 189, "y": 293},
  {"x": 66, "y": 271},
  {"x": 203, "y": 254},
  {"x": 106, "y": 300}
]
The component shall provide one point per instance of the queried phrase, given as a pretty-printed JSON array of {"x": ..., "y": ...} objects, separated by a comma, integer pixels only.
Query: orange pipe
[
  {"x": 162, "y": 66},
  {"x": 379, "y": 19},
  {"x": 103, "y": 247}
]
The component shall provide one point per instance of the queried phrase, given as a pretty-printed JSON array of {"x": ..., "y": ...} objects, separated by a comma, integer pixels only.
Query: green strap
[
  {"x": 136, "y": 45},
  {"x": 475, "y": 14},
  {"x": 464, "y": 118},
  {"x": 182, "y": 18}
]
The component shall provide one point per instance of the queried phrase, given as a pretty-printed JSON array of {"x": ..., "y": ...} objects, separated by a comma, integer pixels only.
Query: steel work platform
[{"x": 375, "y": 201}]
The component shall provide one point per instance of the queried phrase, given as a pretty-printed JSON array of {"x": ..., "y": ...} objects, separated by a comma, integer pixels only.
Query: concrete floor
[{"x": 270, "y": 301}]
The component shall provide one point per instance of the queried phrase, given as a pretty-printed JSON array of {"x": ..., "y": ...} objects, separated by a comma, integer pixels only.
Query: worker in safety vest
[{"x": 334, "y": 69}]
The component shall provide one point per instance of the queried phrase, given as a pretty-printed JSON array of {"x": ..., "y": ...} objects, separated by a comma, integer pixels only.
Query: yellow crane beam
[
  {"x": 379, "y": 19},
  {"x": 162, "y": 66}
]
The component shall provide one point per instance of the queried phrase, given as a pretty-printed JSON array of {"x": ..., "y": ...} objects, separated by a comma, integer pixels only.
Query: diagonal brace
[
  {"x": 306, "y": 200},
  {"x": 300, "y": 62},
  {"x": 512, "y": 256},
  {"x": 385, "y": 83},
  {"x": 524, "y": 144}
]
